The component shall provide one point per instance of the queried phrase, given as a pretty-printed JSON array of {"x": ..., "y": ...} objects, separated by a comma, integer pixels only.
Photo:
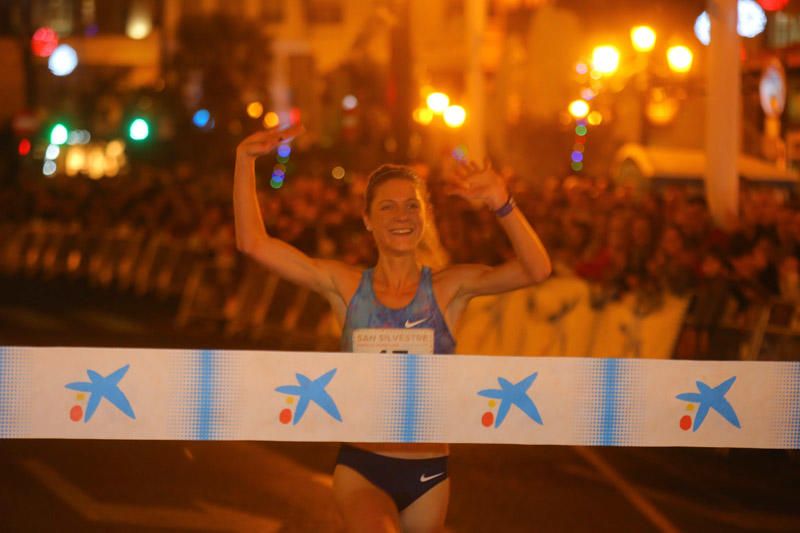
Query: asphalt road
[{"x": 72, "y": 485}]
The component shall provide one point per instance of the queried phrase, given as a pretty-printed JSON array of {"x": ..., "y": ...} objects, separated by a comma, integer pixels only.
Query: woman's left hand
[{"x": 479, "y": 183}]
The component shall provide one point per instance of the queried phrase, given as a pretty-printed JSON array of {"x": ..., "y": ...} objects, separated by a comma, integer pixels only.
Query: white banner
[{"x": 122, "y": 393}]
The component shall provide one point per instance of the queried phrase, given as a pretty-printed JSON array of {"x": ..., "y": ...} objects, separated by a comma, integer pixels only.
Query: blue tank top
[{"x": 365, "y": 311}]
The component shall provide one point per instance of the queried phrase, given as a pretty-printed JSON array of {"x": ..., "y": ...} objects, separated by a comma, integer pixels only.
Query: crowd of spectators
[{"x": 620, "y": 241}]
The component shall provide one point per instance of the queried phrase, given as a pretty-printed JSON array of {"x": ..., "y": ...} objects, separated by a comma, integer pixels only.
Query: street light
[
  {"x": 652, "y": 78},
  {"x": 454, "y": 116},
  {"x": 605, "y": 59},
  {"x": 139, "y": 129},
  {"x": 59, "y": 134},
  {"x": 643, "y": 38},
  {"x": 679, "y": 59},
  {"x": 578, "y": 108},
  {"x": 438, "y": 102}
]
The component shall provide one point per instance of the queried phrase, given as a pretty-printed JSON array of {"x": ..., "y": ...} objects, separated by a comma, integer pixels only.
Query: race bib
[{"x": 418, "y": 341}]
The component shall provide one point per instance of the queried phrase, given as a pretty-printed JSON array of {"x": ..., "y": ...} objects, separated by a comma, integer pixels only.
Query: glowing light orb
[
  {"x": 75, "y": 160},
  {"x": 44, "y": 42},
  {"x": 643, "y": 38},
  {"x": 49, "y": 168},
  {"x": 605, "y": 59},
  {"x": 680, "y": 59},
  {"x": 271, "y": 119},
  {"x": 751, "y": 21},
  {"x": 59, "y": 134},
  {"x": 115, "y": 148},
  {"x": 454, "y": 116},
  {"x": 595, "y": 118},
  {"x": 24, "y": 147},
  {"x": 460, "y": 153},
  {"x": 63, "y": 60},
  {"x": 201, "y": 118},
  {"x": 702, "y": 28},
  {"x": 140, "y": 21},
  {"x": 438, "y": 102},
  {"x": 773, "y": 5},
  {"x": 337, "y": 173},
  {"x": 255, "y": 109},
  {"x": 52, "y": 151},
  {"x": 578, "y": 108},
  {"x": 423, "y": 115},
  {"x": 96, "y": 163},
  {"x": 139, "y": 130},
  {"x": 349, "y": 102},
  {"x": 79, "y": 137},
  {"x": 284, "y": 150}
]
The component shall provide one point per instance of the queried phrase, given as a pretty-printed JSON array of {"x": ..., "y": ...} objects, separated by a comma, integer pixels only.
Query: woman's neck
[{"x": 397, "y": 272}]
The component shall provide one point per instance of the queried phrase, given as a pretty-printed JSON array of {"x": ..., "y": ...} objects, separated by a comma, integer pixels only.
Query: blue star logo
[
  {"x": 513, "y": 394},
  {"x": 711, "y": 398},
  {"x": 309, "y": 390},
  {"x": 107, "y": 387}
]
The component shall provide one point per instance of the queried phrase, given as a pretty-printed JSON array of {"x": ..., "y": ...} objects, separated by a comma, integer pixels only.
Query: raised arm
[
  {"x": 251, "y": 236},
  {"x": 532, "y": 264}
]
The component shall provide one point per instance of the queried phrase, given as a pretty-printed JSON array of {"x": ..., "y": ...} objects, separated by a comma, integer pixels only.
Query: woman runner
[{"x": 392, "y": 486}]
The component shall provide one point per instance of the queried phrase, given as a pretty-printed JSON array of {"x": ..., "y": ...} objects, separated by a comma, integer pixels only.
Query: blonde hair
[{"x": 430, "y": 250}]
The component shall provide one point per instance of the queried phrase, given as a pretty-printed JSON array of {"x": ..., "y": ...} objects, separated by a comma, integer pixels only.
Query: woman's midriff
[{"x": 405, "y": 451}]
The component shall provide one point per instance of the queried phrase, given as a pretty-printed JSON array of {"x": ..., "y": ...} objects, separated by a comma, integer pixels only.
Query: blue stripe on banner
[
  {"x": 5, "y": 392},
  {"x": 792, "y": 405},
  {"x": 610, "y": 395},
  {"x": 410, "y": 397},
  {"x": 205, "y": 396}
]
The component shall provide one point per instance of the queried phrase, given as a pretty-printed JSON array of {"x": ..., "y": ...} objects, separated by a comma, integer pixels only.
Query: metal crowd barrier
[
  {"x": 239, "y": 298},
  {"x": 242, "y": 300},
  {"x": 765, "y": 331}
]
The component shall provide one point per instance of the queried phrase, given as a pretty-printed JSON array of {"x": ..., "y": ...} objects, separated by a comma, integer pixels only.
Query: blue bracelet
[{"x": 506, "y": 207}]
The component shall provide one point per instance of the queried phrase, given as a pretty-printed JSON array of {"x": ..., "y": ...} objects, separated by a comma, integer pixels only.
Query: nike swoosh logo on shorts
[
  {"x": 410, "y": 324},
  {"x": 423, "y": 478}
]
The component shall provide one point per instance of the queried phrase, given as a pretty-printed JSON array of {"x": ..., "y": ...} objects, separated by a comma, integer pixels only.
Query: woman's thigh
[
  {"x": 364, "y": 506},
  {"x": 428, "y": 512}
]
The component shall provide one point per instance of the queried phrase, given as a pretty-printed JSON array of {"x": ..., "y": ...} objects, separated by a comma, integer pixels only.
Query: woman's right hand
[{"x": 263, "y": 142}]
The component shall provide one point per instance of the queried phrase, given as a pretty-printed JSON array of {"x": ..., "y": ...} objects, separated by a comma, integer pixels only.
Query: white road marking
[
  {"x": 631, "y": 493},
  {"x": 207, "y": 516}
]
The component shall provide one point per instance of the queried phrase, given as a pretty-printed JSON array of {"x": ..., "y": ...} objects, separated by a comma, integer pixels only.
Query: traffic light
[
  {"x": 24, "y": 147},
  {"x": 139, "y": 130},
  {"x": 59, "y": 134}
]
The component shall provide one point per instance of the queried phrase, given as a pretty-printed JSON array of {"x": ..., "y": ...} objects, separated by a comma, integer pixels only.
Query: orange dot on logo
[
  {"x": 285, "y": 417},
  {"x": 76, "y": 413},
  {"x": 487, "y": 419},
  {"x": 686, "y": 422}
]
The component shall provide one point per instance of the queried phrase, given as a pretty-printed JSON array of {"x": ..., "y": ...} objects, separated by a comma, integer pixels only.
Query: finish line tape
[{"x": 116, "y": 393}]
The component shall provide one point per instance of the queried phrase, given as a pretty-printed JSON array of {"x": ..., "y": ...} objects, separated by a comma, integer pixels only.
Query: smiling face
[{"x": 396, "y": 216}]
